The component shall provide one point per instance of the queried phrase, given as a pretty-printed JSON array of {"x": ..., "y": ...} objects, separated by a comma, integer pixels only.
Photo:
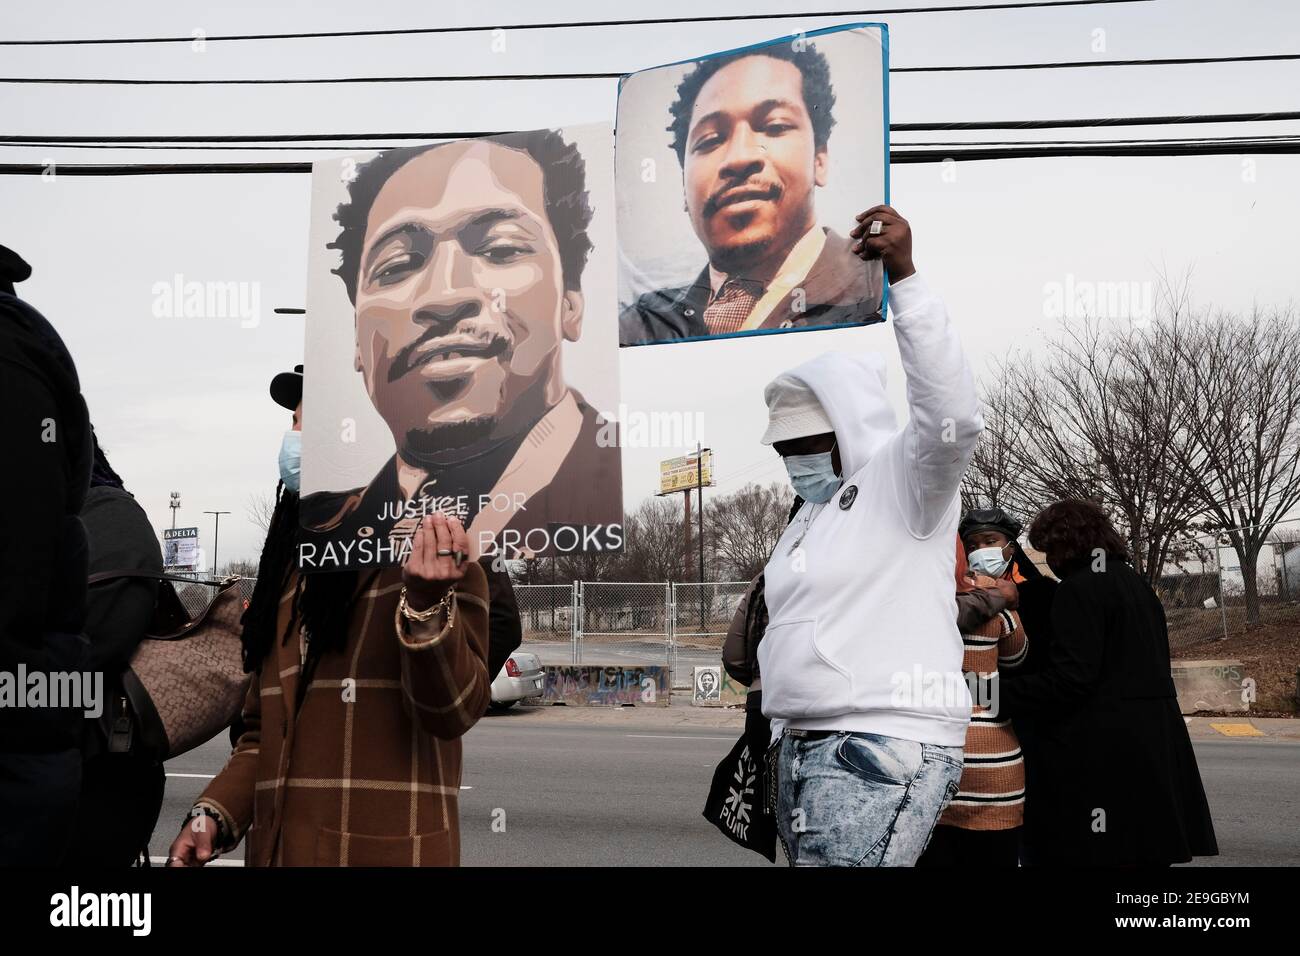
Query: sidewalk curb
[{"x": 1243, "y": 727}]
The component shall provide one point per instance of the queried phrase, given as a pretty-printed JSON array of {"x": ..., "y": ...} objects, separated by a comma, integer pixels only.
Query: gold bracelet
[{"x": 407, "y": 612}]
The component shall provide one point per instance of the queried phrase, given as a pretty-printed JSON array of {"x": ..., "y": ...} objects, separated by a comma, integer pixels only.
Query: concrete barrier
[
  {"x": 1219, "y": 686},
  {"x": 590, "y": 685}
]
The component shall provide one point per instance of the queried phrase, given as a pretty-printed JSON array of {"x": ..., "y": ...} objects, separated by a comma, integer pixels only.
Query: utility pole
[
  {"x": 175, "y": 506},
  {"x": 686, "y": 524},
  {"x": 216, "y": 537},
  {"x": 699, "y": 484}
]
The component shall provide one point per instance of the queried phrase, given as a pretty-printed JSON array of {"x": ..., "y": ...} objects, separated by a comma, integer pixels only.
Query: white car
[{"x": 521, "y": 678}]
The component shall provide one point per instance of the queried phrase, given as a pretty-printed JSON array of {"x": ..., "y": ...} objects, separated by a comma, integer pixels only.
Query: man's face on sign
[
  {"x": 460, "y": 304},
  {"x": 751, "y": 165}
]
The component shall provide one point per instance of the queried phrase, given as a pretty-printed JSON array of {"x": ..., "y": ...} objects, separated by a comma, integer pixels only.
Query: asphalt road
[{"x": 623, "y": 795}]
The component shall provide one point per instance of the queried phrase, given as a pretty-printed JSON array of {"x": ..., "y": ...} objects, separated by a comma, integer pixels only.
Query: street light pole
[{"x": 216, "y": 538}]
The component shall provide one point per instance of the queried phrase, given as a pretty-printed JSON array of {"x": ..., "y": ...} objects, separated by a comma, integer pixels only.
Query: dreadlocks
[
  {"x": 272, "y": 575},
  {"x": 323, "y": 601}
]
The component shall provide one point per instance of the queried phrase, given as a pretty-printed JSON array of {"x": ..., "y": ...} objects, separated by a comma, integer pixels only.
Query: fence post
[
  {"x": 1223, "y": 608},
  {"x": 670, "y": 627},
  {"x": 576, "y": 603}
]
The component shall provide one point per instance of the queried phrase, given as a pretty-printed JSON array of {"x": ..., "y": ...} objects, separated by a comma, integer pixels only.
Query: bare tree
[
  {"x": 994, "y": 477},
  {"x": 743, "y": 527},
  {"x": 652, "y": 543},
  {"x": 1102, "y": 416},
  {"x": 242, "y": 567},
  {"x": 1243, "y": 388},
  {"x": 260, "y": 508}
]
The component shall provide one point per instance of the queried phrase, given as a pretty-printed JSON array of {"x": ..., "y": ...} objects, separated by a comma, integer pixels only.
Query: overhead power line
[
  {"x": 1099, "y": 122},
  {"x": 533, "y": 77},
  {"x": 290, "y": 147},
  {"x": 571, "y": 25},
  {"x": 1208, "y": 147},
  {"x": 1025, "y": 124}
]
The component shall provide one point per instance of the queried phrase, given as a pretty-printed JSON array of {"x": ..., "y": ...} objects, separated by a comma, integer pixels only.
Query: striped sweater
[{"x": 992, "y": 788}]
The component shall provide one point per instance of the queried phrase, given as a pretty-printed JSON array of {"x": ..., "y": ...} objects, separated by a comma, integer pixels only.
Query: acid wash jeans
[{"x": 855, "y": 799}]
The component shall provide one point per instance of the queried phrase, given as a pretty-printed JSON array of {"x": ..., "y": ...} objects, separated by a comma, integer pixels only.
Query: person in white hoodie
[{"x": 862, "y": 658}]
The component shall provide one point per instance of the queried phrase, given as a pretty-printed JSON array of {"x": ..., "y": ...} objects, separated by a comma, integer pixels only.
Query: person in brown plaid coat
[{"x": 364, "y": 769}]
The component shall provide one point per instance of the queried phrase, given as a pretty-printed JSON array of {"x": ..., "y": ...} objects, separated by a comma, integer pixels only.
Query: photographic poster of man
[
  {"x": 459, "y": 346},
  {"x": 738, "y": 176}
]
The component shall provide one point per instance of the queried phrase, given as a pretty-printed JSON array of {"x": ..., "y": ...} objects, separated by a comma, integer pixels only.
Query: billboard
[
  {"x": 181, "y": 549},
  {"x": 739, "y": 176},
  {"x": 459, "y": 343},
  {"x": 686, "y": 472}
]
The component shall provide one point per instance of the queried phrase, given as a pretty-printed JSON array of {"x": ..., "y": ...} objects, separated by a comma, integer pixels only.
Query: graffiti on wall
[{"x": 592, "y": 686}]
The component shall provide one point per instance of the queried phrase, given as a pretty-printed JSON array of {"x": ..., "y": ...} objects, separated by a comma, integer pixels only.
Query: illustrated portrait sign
[{"x": 460, "y": 345}]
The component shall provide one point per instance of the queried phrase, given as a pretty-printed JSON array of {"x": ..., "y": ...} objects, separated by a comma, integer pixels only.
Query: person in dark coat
[
  {"x": 120, "y": 781},
  {"x": 1118, "y": 780},
  {"x": 45, "y": 433}
]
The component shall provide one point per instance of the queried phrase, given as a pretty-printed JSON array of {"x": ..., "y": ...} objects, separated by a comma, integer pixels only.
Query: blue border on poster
[{"x": 884, "y": 69}]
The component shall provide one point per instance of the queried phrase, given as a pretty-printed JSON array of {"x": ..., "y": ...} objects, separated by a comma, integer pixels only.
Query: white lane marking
[
  {"x": 463, "y": 787},
  {"x": 675, "y": 737}
]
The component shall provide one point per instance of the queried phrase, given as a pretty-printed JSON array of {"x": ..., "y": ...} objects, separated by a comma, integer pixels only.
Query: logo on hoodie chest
[{"x": 849, "y": 496}]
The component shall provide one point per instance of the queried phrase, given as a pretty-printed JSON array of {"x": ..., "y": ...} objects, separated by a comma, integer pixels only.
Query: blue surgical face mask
[
  {"x": 291, "y": 459},
  {"x": 813, "y": 476},
  {"x": 988, "y": 561}
]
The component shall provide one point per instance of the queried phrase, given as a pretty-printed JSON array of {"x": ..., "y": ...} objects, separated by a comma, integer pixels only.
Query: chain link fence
[
  {"x": 702, "y": 614},
  {"x": 623, "y": 621},
  {"x": 546, "y": 614},
  {"x": 631, "y": 622},
  {"x": 1203, "y": 589},
  {"x": 197, "y": 592}
]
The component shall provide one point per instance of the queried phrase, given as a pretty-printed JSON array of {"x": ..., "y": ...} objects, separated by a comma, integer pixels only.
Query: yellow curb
[{"x": 1237, "y": 730}]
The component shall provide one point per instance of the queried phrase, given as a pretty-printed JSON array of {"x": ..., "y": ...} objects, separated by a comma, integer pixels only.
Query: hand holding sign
[
  {"x": 439, "y": 549},
  {"x": 890, "y": 241}
]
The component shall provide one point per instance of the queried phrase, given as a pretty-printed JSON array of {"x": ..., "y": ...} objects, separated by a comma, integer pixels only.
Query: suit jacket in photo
[{"x": 839, "y": 289}]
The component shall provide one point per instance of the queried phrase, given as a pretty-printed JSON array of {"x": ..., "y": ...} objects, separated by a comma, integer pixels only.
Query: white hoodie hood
[{"x": 851, "y": 390}]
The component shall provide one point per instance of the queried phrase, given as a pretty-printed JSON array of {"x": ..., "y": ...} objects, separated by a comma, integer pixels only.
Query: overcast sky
[{"x": 181, "y": 404}]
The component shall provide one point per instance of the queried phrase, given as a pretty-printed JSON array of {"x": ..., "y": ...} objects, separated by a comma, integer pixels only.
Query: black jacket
[
  {"x": 45, "y": 433},
  {"x": 505, "y": 632},
  {"x": 118, "y": 612},
  {"x": 1117, "y": 781}
]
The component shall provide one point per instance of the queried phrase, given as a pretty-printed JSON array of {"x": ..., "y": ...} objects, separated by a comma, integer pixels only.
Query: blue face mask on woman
[
  {"x": 990, "y": 561},
  {"x": 813, "y": 476},
  {"x": 291, "y": 459}
]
